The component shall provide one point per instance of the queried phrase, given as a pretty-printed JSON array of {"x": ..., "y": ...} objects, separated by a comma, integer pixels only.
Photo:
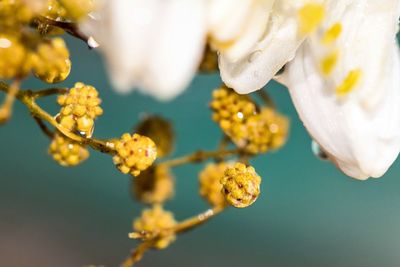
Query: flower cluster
[
  {"x": 80, "y": 106},
  {"x": 157, "y": 220},
  {"x": 51, "y": 61},
  {"x": 134, "y": 153},
  {"x": 250, "y": 128},
  {"x": 23, "y": 50},
  {"x": 241, "y": 185},
  {"x": 210, "y": 185},
  {"x": 66, "y": 152}
]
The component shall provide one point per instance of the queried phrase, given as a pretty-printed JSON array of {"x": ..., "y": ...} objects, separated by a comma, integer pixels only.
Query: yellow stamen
[
  {"x": 332, "y": 34},
  {"x": 349, "y": 83},
  {"x": 329, "y": 62},
  {"x": 310, "y": 17}
]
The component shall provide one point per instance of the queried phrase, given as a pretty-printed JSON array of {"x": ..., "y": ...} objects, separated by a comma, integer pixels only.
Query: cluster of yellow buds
[
  {"x": 157, "y": 220},
  {"x": 51, "y": 61},
  {"x": 13, "y": 13},
  {"x": 250, "y": 128},
  {"x": 160, "y": 131},
  {"x": 67, "y": 152},
  {"x": 24, "y": 45},
  {"x": 80, "y": 106},
  {"x": 241, "y": 185},
  {"x": 154, "y": 185},
  {"x": 134, "y": 153},
  {"x": 15, "y": 59},
  {"x": 210, "y": 185}
]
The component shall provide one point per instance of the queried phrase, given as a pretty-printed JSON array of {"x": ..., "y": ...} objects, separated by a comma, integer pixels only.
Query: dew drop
[{"x": 318, "y": 151}]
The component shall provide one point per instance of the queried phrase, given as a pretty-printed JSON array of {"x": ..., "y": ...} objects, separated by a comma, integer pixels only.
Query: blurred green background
[{"x": 308, "y": 214}]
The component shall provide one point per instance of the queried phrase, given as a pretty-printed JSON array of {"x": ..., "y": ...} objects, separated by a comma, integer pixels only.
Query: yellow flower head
[
  {"x": 67, "y": 152},
  {"x": 51, "y": 61},
  {"x": 79, "y": 108},
  {"x": 155, "y": 220},
  {"x": 15, "y": 59},
  {"x": 134, "y": 153},
  {"x": 241, "y": 185},
  {"x": 210, "y": 185}
]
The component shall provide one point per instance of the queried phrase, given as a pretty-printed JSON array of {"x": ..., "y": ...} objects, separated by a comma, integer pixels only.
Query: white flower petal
[
  {"x": 360, "y": 131},
  {"x": 236, "y": 26},
  {"x": 278, "y": 45},
  {"x": 155, "y": 45},
  {"x": 177, "y": 48}
]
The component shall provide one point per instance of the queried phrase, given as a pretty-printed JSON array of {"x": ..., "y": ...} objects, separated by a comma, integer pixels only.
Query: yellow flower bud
[
  {"x": 67, "y": 152},
  {"x": 155, "y": 220},
  {"x": 15, "y": 59},
  {"x": 230, "y": 111},
  {"x": 51, "y": 61},
  {"x": 210, "y": 185},
  {"x": 134, "y": 153},
  {"x": 13, "y": 13},
  {"x": 241, "y": 185},
  {"x": 79, "y": 108},
  {"x": 254, "y": 130}
]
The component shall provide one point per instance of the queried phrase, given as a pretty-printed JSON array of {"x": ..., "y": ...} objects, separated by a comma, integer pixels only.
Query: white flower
[
  {"x": 344, "y": 80},
  {"x": 154, "y": 45},
  {"x": 346, "y": 86}
]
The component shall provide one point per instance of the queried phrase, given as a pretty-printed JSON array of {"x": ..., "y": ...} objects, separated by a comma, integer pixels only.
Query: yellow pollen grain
[
  {"x": 332, "y": 34},
  {"x": 349, "y": 83},
  {"x": 310, "y": 17},
  {"x": 329, "y": 62}
]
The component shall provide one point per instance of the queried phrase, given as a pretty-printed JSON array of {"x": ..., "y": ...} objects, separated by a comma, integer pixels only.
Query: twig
[
  {"x": 200, "y": 156},
  {"x": 44, "y": 128},
  {"x": 49, "y": 92},
  {"x": 150, "y": 238},
  {"x": 7, "y": 106},
  {"x": 28, "y": 99},
  {"x": 137, "y": 254},
  {"x": 69, "y": 27}
]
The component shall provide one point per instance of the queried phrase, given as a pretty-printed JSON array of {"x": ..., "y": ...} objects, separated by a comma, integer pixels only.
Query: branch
[
  {"x": 44, "y": 128},
  {"x": 7, "y": 106},
  {"x": 69, "y": 27},
  {"x": 184, "y": 226},
  {"x": 200, "y": 156},
  {"x": 28, "y": 98}
]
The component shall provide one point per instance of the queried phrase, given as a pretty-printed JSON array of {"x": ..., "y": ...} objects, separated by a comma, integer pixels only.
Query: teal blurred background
[{"x": 308, "y": 214}]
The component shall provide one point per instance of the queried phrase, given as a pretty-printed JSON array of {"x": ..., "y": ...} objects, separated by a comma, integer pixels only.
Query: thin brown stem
[
  {"x": 69, "y": 27},
  {"x": 197, "y": 220},
  {"x": 28, "y": 98},
  {"x": 44, "y": 127},
  {"x": 137, "y": 254},
  {"x": 7, "y": 106},
  {"x": 49, "y": 92},
  {"x": 200, "y": 156}
]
